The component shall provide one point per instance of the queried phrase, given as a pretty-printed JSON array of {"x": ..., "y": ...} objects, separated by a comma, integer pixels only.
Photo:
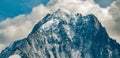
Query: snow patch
[
  {"x": 49, "y": 24},
  {"x": 69, "y": 32},
  {"x": 15, "y": 56}
]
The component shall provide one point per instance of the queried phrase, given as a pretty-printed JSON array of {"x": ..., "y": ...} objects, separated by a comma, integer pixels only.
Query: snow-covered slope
[
  {"x": 64, "y": 35},
  {"x": 14, "y": 56}
]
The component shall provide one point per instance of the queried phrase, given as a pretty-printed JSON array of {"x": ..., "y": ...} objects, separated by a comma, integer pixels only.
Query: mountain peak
[
  {"x": 65, "y": 35},
  {"x": 94, "y": 20}
]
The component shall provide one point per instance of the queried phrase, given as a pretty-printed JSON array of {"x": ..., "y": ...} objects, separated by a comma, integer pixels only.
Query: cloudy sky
[{"x": 17, "y": 17}]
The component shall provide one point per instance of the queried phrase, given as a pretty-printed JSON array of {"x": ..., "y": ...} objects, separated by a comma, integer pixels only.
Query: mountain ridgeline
[{"x": 64, "y": 35}]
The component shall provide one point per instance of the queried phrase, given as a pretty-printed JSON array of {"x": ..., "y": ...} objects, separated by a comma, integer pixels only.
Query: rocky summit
[{"x": 65, "y": 35}]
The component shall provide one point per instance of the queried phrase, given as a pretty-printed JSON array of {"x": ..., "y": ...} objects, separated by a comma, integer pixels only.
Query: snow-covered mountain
[{"x": 65, "y": 35}]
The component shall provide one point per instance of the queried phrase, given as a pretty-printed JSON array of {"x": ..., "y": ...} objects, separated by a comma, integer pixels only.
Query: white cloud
[
  {"x": 114, "y": 29},
  {"x": 19, "y": 27},
  {"x": 79, "y": 6},
  {"x": 15, "y": 56}
]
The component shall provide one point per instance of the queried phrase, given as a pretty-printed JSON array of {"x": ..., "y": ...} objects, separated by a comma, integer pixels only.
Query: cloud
[
  {"x": 114, "y": 11},
  {"x": 20, "y": 26},
  {"x": 79, "y": 6}
]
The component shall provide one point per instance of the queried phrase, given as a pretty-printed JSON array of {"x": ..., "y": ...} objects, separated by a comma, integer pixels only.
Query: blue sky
[
  {"x": 12, "y": 8},
  {"x": 104, "y": 3}
]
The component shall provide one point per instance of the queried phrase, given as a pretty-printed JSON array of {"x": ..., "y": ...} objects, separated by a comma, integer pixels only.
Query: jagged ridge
[{"x": 63, "y": 35}]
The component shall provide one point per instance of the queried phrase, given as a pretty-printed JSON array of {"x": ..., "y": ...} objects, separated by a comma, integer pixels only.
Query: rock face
[{"x": 64, "y": 35}]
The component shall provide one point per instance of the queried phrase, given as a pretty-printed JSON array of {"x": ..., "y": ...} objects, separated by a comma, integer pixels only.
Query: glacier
[{"x": 65, "y": 35}]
